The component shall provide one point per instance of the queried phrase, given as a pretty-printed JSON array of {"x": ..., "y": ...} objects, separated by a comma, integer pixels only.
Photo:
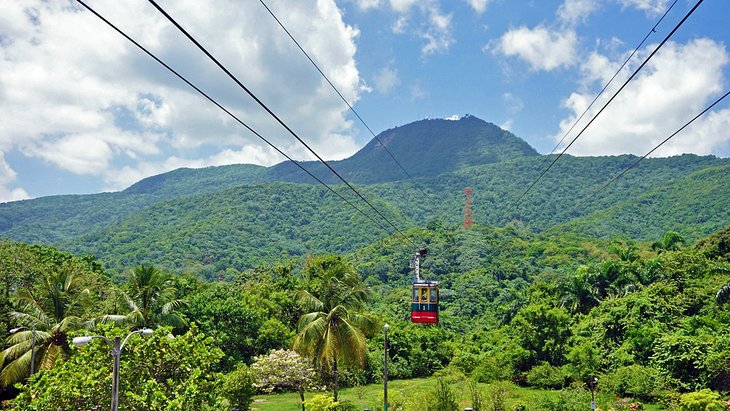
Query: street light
[
  {"x": 593, "y": 382},
  {"x": 386, "y": 327},
  {"x": 32, "y": 345},
  {"x": 117, "y": 348}
]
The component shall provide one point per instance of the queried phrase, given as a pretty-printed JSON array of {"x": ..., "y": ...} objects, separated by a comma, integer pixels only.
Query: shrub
[
  {"x": 704, "y": 400},
  {"x": 443, "y": 398},
  {"x": 491, "y": 370},
  {"x": 547, "y": 376},
  {"x": 571, "y": 399},
  {"x": 238, "y": 388},
  {"x": 637, "y": 381},
  {"x": 321, "y": 402},
  {"x": 497, "y": 397}
]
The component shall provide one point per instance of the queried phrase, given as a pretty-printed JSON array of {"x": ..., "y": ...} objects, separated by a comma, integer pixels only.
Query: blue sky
[{"x": 82, "y": 110}]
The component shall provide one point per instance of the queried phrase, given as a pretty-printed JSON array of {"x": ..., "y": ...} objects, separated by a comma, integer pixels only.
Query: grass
[{"x": 413, "y": 394}]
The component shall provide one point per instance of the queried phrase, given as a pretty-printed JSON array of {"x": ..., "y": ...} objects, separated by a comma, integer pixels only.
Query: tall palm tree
[
  {"x": 332, "y": 331},
  {"x": 57, "y": 310},
  {"x": 578, "y": 293},
  {"x": 150, "y": 297},
  {"x": 671, "y": 241}
]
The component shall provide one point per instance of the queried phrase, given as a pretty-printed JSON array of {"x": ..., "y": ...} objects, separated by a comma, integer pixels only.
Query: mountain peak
[{"x": 425, "y": 148}]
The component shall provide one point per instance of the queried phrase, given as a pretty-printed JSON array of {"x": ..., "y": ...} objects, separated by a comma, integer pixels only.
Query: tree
[
  {"x": 578, "y": 294},
  {"x": 284, "y": 369},
  {"x": 156, "y": 373},
  {"x": 671, "y": 241},
  {"x": 151, "y": 298},
  {"x": 58, "y": 310},
  {"x": 332, "y": 331}
]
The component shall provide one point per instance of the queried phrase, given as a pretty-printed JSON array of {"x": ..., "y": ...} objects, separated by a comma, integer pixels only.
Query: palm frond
[
  {"x": 17, "y": 370},
  {"x": 173, "y": 305},
  {"x": 114, "y": 318},
  {"x": 309, "y": 301}
]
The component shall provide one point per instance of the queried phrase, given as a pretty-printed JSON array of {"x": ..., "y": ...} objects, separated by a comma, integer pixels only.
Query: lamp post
[
  {"x": 117, "y": 348},
  {"x": 385, "y": 367},
  {"x": 32, "y": 345},
  {"x": 593, "y": 382}
]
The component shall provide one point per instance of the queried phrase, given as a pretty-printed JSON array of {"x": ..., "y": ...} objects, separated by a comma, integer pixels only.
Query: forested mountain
[{"x": 240, "y": 216}]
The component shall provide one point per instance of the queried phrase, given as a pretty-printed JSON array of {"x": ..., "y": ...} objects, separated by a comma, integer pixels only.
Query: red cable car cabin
[{"x": 425, "y": 302}]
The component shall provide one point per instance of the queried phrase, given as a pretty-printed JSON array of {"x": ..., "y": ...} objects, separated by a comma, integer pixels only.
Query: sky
[{"x": 82, "y": 110}]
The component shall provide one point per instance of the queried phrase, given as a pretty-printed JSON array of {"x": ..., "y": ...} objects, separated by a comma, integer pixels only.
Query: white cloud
[
  {"x": 367, "y": 4},
  {"x": 478, "y": 5},
  {"x": 651, "y": 7},
  {"x": 541, "y": 48},
  {"x": 123, "y": 177},
  {"x": 678, "y": 83},
  {"x": 76, "y": 94},
  {"x": 386, "y": 79},
  {"x": 402, "y": 6},
  {"x": 7, "y": 177},
  {"x": 574, "y": 11}
]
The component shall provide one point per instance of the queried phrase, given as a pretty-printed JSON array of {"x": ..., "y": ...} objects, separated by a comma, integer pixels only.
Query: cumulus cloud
[
  {"x": 678, "y": 83},
  {"x": 478, "y": 5},
  {"x": 77, "y": 95},
  {"x": 386, "y": 79},
  {"x": 7, "y": 177},
  {"x": 652, "y": 7},
  {"x": 574, "y": 11},
  {"x": 543, "y": 49}
]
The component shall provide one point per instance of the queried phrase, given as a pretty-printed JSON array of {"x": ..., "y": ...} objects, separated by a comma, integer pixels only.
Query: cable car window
[
  {"x": 434, "y": 295},
  {"x": 424, "y": 295},
  {"x": 415, "y": 294}
]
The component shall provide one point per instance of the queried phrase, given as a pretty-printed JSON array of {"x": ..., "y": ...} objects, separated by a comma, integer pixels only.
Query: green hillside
[
  {"x": 424, "y": 148},
  {"x": 235, "y": 228},
  {"x": 240, "y": 216}
]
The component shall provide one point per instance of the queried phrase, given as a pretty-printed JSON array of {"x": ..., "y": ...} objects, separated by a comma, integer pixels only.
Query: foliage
[
  {"x": 703, "y": 400},
  {"x": 496, "y": 397},
  {"x": 442, "y": 398},
  {"x": 150, "y": 297},
  {"x": 238, "y": 388},
  {"x": 284, "y": 370},
  {"x": 160, "y": 372},
  {"x": 477, "y": 398},
  {"x": 547, "y": 376},
  {"x": 321, "y": 402},
  {"x": 332, "y": 330},
  {"x": 635, "y": 380},
  {"x": 53, "y": 312}
]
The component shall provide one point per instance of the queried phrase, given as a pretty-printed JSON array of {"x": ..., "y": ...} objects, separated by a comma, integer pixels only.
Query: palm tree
[
  {"x": 671, "y": 241},
  {"x": 332, "y": 331},
  {"x": 150, "y": 297},
  {"x": 58, "y": 310},
  {"x": 579, "y": 294}
]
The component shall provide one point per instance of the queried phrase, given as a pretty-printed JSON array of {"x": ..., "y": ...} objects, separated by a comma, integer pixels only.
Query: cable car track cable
[
  {"x": 653, "y": 30},
  {"x": 272, "y": 114},
  {"x": 181, "y": 77},
  {"x": 653, "y": 149},
  {"x": 343, "y": 97},
  {"x": 513, "y": 204}
]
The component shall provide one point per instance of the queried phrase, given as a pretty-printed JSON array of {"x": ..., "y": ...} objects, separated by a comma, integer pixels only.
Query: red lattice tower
[{"x": 468, "y": 210}]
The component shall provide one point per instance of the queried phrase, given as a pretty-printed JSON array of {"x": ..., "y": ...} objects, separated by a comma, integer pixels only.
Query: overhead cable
[
  {"x": 272, "y": 114},
  {"x": 173, "y": 71},
  {"x": 341, "y": 96},
  {"x": 605, "y": 105},
  {"x": 600, "y": 93},
  {"x": 653, "y": 149}
]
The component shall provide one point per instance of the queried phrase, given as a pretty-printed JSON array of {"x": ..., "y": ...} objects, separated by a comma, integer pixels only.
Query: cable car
[{"x": 425, "y": 295}]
